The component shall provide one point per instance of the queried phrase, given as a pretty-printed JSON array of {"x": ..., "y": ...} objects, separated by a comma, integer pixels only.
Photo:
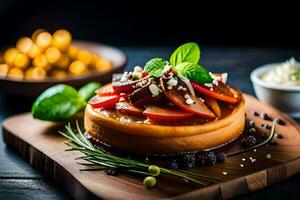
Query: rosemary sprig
[
  {"x": 269, "y": 139},
  {"x": 103, "y": 160}
]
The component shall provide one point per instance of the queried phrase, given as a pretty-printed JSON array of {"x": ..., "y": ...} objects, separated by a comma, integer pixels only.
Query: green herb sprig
[
  {"x": 104, "y": 160},
  {"x": 184, "y": 60}
]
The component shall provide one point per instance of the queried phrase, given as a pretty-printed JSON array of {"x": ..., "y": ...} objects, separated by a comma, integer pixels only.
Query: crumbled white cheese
[
  {"x": 180, "y": 87},
  {"x": 189, "y": 101},
  {"x": 169, "y": 87},
  {"x": 208, "y": 85},
  {"x": 188, "y": 83},
  {"x": 154, "y": 90},
  {"x": 187, "y": 96},
  {"x": 166, "y": 68},
  {"x": 224, "y": 77},
  {"x": 137, "y": 69},
  {"x": 201, "y": 99},
  {"x": 172, "y": 82}
]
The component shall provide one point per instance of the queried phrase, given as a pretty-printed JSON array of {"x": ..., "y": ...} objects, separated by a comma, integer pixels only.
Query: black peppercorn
[
  {"x": 268, "y": 126},
  {"x": 279, "y": 136},
  {"x": 251, "y": 123},
  {"x": 280, "y": 121},
  {"x": 255, "y": 113},
  {"x": 221, "y": 157},
  {"x": 265, "y": 116},
  {"x": 111, "y": 172}
]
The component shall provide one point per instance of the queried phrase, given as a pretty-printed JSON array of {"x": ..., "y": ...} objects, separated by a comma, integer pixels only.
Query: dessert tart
[{"x": 166, "y": 108}]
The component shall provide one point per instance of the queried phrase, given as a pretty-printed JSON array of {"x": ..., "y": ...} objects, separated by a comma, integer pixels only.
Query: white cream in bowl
[
  {"x": 286, "y": 73},
  {"x": 277, "y": 84}
]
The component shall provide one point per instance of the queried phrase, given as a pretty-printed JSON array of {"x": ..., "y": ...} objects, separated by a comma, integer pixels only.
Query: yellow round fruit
[
  {"x": 62, "y": 39},
  {"x": 84, "y": 56},
  {"x": 38, "y": 73},
  {"x": 34, "y": 51},
  {"x": 40, "y": 61},
  {"x": 24, "y": 44},
  {"x": 104, "y": 65},
  {"x": 94, "y": 60},
  {"x": 36, "y": 33},
  {"x": 63, "y": 62},
  {"x": 21, "y": 60},
  {"x": 15, "y": 73},
  {"x": 28, "y": 73},
  {"x": 58, "y": 73},
  {"x": 3, "y": 70},
  {"x": 72, "y": 52},
  {"x": 52, "y": 54},
  {"x": 43, "y": 40},
  {"x": 9, "y": 55},
  {"x": 77, "y": 68}
]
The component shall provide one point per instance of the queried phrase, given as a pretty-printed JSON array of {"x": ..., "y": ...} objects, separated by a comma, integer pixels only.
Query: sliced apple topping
[
  {"x": 166, "y": 113},
  {"x": 197, "y": 107}
]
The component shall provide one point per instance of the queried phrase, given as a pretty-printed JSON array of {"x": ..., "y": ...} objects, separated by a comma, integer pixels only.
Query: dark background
[{"x": 152, "y": 23}]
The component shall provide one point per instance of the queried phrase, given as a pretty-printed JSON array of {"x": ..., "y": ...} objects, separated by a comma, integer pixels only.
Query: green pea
[
  {"x": 154, "y": 170},
  {"x": 149, "y": 181}
]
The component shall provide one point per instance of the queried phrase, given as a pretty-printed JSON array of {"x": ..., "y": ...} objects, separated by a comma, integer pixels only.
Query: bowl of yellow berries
[{"x": 42, "y": 60}]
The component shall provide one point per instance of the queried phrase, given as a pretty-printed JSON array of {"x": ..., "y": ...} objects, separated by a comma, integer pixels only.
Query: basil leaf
[
  {"x": 188, "y": 52},
  {"x": 57, "y": 103},
  {"x": 193, "y": 72},
  {"x": 88, "y": 90},
  {"x": 155, "y": 67}
]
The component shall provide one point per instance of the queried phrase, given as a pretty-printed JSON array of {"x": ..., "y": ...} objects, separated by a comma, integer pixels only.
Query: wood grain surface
[{"x": 39, "y": 143}]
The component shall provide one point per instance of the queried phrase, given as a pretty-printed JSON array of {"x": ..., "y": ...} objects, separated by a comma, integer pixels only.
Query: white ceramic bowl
[{"x": 285, "y": 98}]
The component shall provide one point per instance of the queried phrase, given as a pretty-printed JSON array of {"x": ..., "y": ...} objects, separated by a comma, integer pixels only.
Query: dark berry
[
  {"x": 255, "y": 113},
  {"x": 251, "y": 123},
  {"x": 173, "y": 164},
  {"x": 222, "y": 157},
  {"x": 210, "y": 159},
  {"x": 279, "y": 136},
  {"x": 265, "y": 116},
  {"x": 280, "y": 121},
  {"x": 187, "y": 161},
  {"x": 111, "y": 172},
  {"x": 248, "y": 141},
  {"x": 273, "y": 143},
  {"x": 201, "y": 159}
]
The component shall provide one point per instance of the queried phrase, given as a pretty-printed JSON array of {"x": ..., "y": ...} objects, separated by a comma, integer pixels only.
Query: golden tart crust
[{"x": 149, "y": 139}]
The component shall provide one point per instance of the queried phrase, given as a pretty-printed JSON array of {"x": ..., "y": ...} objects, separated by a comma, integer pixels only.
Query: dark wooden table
[{"x": 19, "y": 181}]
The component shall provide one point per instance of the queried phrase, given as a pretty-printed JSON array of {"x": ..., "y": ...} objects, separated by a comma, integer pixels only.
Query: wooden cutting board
[{"x": 40, "y": 144}]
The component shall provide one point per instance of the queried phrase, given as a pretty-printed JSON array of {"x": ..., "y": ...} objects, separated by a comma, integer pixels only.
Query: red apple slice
[
  {"x": 127, "y": 86},
  {"x": 213, "y": 105},
  {"x": 106, "y": 90},
  {"x": 166, "y": 114},
  {"x": 126, "y": 108},
  {"x": 198, "y": 107},
  {"x": 107, "y": 102},
  {"x": 220, "y": 92}
]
